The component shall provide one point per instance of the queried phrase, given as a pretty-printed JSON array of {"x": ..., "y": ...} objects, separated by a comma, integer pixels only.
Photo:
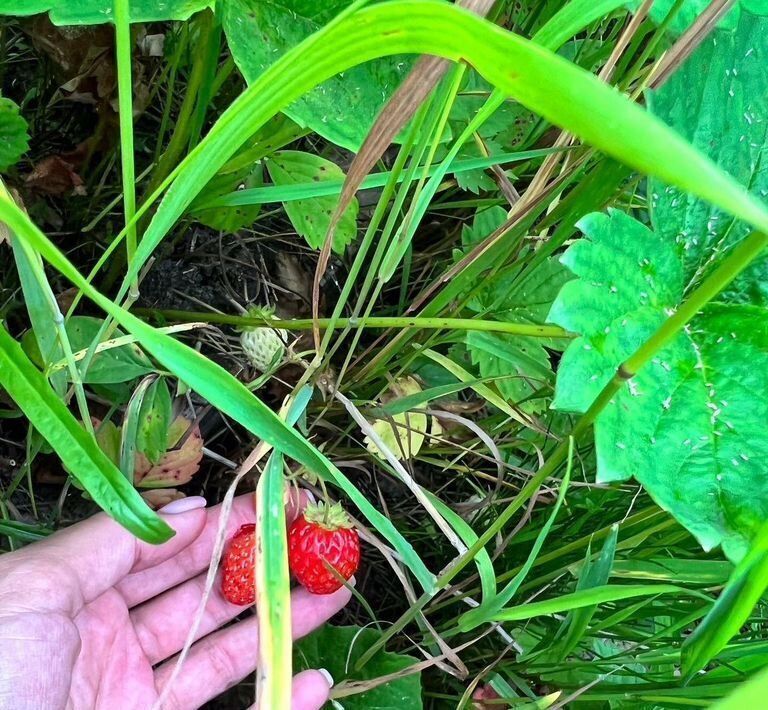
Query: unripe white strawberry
[{"x": 263, "y": 345}]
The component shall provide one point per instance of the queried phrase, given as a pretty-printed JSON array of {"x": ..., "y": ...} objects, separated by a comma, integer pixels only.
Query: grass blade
[
  {"x": 76, "y": 448},
  {"x": 586, "y": 598},
  {"x": 732, "y": 609},
  {"x": 220, "y": 388},
  {"x": 273, "y": 600}
]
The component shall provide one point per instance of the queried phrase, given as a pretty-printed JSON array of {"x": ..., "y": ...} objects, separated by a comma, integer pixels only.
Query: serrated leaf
[
  {"x": 14, "y": 139},
  {"x": 96, "y": 12},
  {"x": 176, "y": 466},
  {"x": 519, "y": 365},
  {"x": 229, "y": 218},
  {"x": 718, "y": 100},
  {"x": 688, "y": 426},
  {"x": 337, "y": 649},
  {"x": 120, "y": 364},
  {"x": 343, "y": 108},
  {"x": 311, "y": 217}
]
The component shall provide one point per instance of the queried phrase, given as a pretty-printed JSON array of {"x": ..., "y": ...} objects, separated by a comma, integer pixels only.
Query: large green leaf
[
  {"x": 718, "y": 100},
  {"x": 311, "y": 217},
  {"x": 688, "y": 426},
  {"x": 96, "y": 12},
  {"x": 77, "y": 449},
  {"x": 14, "y": 140},
  {"x": 337, "y": 649},
  {"x": 344, "y": 107}
]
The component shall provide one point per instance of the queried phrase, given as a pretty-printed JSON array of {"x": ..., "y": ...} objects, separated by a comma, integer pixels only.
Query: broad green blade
[
  {"x": 273, "y": 598},
  {"x": 732, "y": 609},
  {"x": 221, "y": 389},
  {"x": 588, "y": 597},
  {"x": 561, "y": 92},
  {"x": 77, "y": 449}
]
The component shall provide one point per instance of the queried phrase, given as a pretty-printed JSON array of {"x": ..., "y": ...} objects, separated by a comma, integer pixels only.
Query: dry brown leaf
[{"x": 55, "y": 176}]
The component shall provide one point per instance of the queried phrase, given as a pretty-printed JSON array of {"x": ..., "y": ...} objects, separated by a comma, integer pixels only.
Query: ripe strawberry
[
  {"x": 237, "y": 578},
  {"x": 262, "y": 345},
  {"x": 323, "y": 534}
]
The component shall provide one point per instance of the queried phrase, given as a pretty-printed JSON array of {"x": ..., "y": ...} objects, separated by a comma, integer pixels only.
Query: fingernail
[
  {"x": 183, "y": 505},
  {"x": 328, "y": 677},
  {"x": 310, "y": 496},
  {"x": 352, "y": 581}
]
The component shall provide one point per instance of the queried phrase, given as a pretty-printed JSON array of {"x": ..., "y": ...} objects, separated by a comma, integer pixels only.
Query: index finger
[{"x": 148, "y": 580}]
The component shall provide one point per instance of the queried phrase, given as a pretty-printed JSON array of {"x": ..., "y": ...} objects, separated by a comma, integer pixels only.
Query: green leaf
[
  {"x": 129, "y": 430},
  {"x": 232, "y": 218},
  {"x": 154, "y": 421},
  {"x": 718, "y": 100},
  {"x": 688, "y": 425},
  {"x": 121, "y": 364},
  {"x": 521, "y": 365},
  {"x": 344, "y": 107},
  {"x": 77, "y": 450},
  {"x": 732, "y": 610},
  {"x": 274, "y": 584},
  {"x": 96, "y": 12},
  {"x": 14, "y": 139},
  {"x": 591, "y": 575},
  {"x": 220, "y": 388},
  {"x": 588, "y": 598},
  {"x": 337, "y": 649},
  {"x": 273, "y": 603},
  {"x": 311, "y": 217}
]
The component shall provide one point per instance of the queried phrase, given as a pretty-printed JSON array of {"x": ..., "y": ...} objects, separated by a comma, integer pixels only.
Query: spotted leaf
[{"x": 689, "y": 425}]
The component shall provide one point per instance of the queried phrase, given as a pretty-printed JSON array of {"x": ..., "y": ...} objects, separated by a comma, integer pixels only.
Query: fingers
[
  {"x": 162, "y": 623},
  {"x": 147, "y": 580},
  {"x": 310, "y": 690},
  {"x": 79, "y": 563},
  {"x": 224, "y": 658}
]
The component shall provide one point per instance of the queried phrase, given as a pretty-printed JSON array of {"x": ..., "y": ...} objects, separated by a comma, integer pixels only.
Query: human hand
[{"x": 92, "y": 617}]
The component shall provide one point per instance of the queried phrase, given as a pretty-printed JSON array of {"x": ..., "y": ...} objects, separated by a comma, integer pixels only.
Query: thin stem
[
  {"x": 125, "y": 105},
  {"x": 521, "y": 329}
]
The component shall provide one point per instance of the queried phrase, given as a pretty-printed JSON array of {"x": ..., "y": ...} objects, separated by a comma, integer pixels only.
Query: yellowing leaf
[{"x": 403, "y": 434}]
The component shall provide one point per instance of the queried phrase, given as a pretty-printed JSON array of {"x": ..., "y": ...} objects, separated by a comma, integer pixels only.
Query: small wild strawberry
[
  {"x": 262, "y": 345},
  {"x": 237, "y": 575},
  {"x": 323, "y": 534}
]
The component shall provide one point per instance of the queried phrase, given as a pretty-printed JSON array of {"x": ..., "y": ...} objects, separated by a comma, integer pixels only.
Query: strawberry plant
[{"x": 488, "y": 280}]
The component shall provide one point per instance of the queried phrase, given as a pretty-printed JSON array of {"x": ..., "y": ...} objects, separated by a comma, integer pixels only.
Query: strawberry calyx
[
  {"x": 263, "y": 313},
  {"x": 329, "y": 517}
]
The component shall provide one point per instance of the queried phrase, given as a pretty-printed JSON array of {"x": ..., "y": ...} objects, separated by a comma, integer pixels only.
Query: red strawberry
[
  {"x": 323, "y": 534},
  {"x": 237, "y": 578}
]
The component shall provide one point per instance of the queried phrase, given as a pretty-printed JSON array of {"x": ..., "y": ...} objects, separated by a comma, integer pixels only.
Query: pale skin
[{"x": 92, "y": 618}]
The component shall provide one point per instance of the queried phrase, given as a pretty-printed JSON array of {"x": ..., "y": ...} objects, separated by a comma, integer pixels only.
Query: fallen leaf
[{"x": 55, "y": 176}]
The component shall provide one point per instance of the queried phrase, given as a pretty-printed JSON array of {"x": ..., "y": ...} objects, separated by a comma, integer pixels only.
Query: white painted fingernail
[
  {"x": 328, "y": 677},
  {"x": 310, "y": 495},
  {"x": 183, "y": 505}
]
